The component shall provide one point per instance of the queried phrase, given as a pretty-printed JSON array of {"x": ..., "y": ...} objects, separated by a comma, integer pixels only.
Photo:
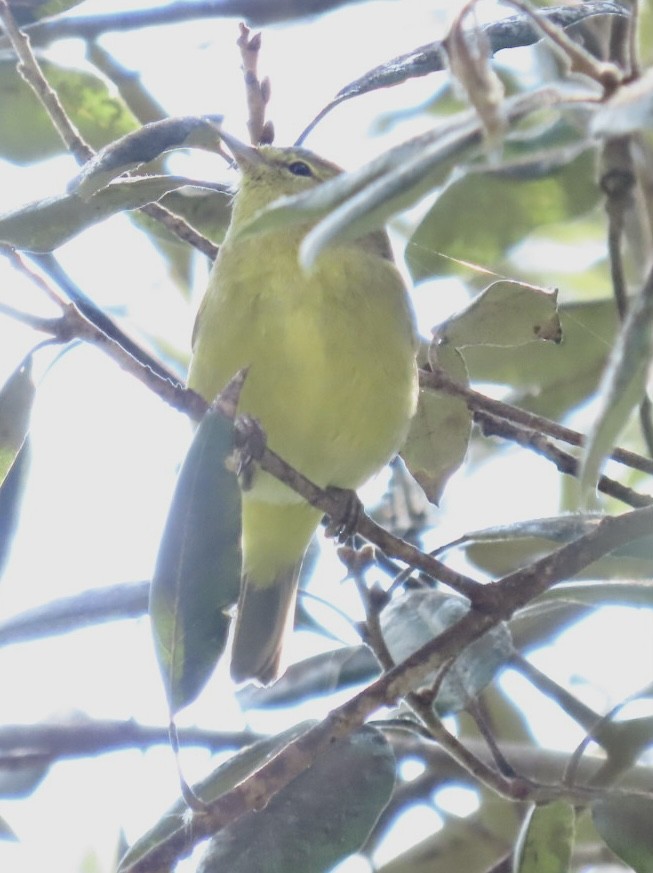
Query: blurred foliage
[{"x": 546, "y": 225}]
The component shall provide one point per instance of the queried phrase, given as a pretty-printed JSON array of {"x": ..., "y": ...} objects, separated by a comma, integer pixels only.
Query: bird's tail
[{"x": 265, "y": 613}]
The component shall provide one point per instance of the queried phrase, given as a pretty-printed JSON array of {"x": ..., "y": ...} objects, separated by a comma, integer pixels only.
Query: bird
[{"x": 330, "y": 354}]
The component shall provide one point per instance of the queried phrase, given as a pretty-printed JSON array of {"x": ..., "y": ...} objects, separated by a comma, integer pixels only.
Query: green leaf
[
  {"x": 11, "y": 498},
  {"x": 440, "y": 430},
  {"x": 480, "y": 216},
  {"x": 28, "y": 11},
  {"x": 144, "y": 145},
  {"x": 322, "y": 816},
  {"x": 6, "y": 832},
  {"x": 548, "y": 378},
  {"x": 503, "y": 549},
  {"x": 326, "y": 673},
  {"x": 100, "y": 116},
  {"x": 411, "y": 621},
  {"x": 221, "y": 780},
  {"x": 44, "y": 225},
  {"x": 506, "y": 313},
  {"x": 546, "y": 840},
  {"x": 197, "y": 574},
  {"x": 625, "y": 825},
  {"x": 622, "y": 387},
  {"x": 16, "y": 399}
]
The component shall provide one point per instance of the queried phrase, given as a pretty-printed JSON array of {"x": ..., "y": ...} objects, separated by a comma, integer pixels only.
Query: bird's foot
[
  {"x": 344, "y": 519},
  {"x": 250, "y": 442}
]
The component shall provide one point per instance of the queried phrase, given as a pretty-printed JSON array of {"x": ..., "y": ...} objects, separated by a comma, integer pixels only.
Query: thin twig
[
  {"x": 257, "y": 90},
  {"x": 438, "y": 380},
  {"x": 565, "y": 462}
]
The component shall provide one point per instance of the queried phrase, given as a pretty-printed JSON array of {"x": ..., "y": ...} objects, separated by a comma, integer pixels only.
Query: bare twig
[
  {"x": 438, "y": 380},
  {"x": 29, "y": 69},
  {"x": 257, "y": 90},
  {"x": 54, "y": 741},
  {"x": 565, "y": 462}
]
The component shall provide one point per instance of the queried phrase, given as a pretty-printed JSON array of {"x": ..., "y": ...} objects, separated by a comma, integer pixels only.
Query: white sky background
[{"x": 105, "y": 451}]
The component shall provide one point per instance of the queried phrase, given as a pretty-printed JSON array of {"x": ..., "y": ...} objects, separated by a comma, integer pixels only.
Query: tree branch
[{"x": 438, "y": 380}]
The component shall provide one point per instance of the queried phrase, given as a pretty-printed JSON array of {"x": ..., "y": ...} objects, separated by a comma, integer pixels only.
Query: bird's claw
[
  {"x": 250, "y": 442},
  {"x": 342, "y": 523}
]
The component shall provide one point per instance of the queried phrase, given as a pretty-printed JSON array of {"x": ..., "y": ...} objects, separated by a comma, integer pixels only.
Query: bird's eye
[{"x": 300, "y": 168}]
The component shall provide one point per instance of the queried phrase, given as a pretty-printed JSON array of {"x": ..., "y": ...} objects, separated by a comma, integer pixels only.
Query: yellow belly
[{"x": 331, "y": 358}]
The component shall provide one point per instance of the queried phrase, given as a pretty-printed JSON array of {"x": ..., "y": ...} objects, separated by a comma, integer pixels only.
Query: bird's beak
[{"x": 244, "y": 155}]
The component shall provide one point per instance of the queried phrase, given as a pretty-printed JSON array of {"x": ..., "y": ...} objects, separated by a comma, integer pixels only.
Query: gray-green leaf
[{"x": 197, "y": 575}]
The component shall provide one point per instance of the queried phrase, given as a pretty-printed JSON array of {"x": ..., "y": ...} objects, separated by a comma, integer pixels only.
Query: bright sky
[{"x": 106, "y": 452}]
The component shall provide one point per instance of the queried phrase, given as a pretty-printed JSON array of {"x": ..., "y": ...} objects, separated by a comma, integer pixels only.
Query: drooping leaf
[
  {"x": 546, "y": 839},
  {"x": 411, "y": 621},
  {"x": 322, "y": 816},
  {"x": 100, "y": 116},
  {"x": 221, "y": 780},
  {"x": 625, "y": 825},
  {"x": 197, "y": 574},
  {"x": 480, "y": 216},
  {"x": 506, "y": 313},
  {"x": 510, "y": 32},
  {"x": 439, "y": 432},
  {"x": 16, "y": 398},
  {"x": 622, "y": 387}
]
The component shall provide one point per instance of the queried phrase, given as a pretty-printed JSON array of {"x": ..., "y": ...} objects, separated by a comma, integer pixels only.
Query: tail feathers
[{"x": 264, "y": 614}]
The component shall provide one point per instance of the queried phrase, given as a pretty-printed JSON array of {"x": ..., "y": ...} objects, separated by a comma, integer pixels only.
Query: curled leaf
[
  {"x": 411, "y": 621},
  {"x": 440, "y": 430}
]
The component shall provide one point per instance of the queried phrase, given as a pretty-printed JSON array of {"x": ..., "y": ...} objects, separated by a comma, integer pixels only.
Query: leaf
[
  {"x": 44, "y": 225},
  {"x": 20, "y": 778},
  {"x": 622, "y": 386},
  {"x": 100, "y": 116},
  {"x": 411, "y": 621},
  {"x": 507, "y": 314},
  {"x": 322, "y": 816},
  {"x": 11, "y": 498},
  {"x": 546, "y": 839},
  {"x": 16, "y": 399},
  {"x": 144, "y": 145},
  {"x": 326, "y": 673},
  {"x": 6, "y": 832},
  {"x": 548, "y": 378},
  {"x": 481, "y": 215},
  {"x": 28, "y": 11},
  {"x": 503, "y": 549},
  {"x": 625, "y": 825},
  {"x": 221, "y": 780},
  {"x": 363, "y": 200},
  {"x": 440, "y": 430},
  {"x": 197, "y": 574}
]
